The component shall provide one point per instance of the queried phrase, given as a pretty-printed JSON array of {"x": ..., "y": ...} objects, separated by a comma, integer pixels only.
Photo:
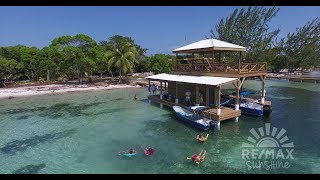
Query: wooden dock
[
  {"x": 226, "y": 112},
  {"x": 296, "y": 79}
]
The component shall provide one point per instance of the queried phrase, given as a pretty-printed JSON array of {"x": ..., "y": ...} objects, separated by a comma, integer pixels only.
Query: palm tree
[{"x": 121, "y": 54}]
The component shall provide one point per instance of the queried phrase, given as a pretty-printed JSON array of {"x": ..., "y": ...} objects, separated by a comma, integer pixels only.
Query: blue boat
[
  {"x": 246, "y": 106},
  {"x": 192, "y": 118}
]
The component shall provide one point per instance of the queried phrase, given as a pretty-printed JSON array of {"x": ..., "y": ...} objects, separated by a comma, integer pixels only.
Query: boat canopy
[{"x": 206, "y": 80}]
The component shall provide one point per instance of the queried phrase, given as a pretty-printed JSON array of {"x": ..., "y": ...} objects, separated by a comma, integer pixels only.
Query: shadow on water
[
  {"x": 23, "y": 117},
  {"x": 144, "y": 100},
  {"x": 109, "y": 111},
  {"x": 59, "y": 110},
  {"x": 54, "y": 111},
  {"x": 21, "y": 145},
  {"x": 30, "y": 169},
  {"x": 117, "y": 99}
]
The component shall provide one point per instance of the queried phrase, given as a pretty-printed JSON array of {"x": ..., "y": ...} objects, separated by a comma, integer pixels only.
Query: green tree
[
  {"x": 8, "y": 68},
  {"x": 47, "y": 58},
  {"x": 121, "y": 54},
  {"x": 161, "y": 63},
  {"x": 144, "y": 65},
  {"x": 97, "y": 54},
  {"x": 249, "y": 27},
  {"x": 30, "y": 58},
  {"x": 301, "y": 49},
  {"x": 75, "y": 53}
]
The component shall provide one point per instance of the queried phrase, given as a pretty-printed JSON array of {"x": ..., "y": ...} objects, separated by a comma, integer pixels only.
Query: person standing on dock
[
  {"x": 200, "y": 98},
  {"x": 188, "y": 97},
  {"x": 153, "y": 88}
]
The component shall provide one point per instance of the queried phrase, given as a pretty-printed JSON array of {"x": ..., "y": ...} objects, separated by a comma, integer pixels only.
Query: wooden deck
[
  {"x": 156, "y": 98},
  {"x": 226, "y": 112},
  {"x": 209, "y": 66},
  {"x": 221, "y": 74}
]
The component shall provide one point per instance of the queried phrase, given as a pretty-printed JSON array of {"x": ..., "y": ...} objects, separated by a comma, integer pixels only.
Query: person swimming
[
  {"x": 129, "y": 151},
  {"x": 148, "y": 151},
  {"x": 135, "y": 97},
  {"x": 199, "y": 158},
  {"x": 201, "y": 138}
]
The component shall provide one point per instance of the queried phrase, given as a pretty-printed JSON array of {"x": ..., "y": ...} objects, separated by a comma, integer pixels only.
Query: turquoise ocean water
[{"x": 82, "y": 132}]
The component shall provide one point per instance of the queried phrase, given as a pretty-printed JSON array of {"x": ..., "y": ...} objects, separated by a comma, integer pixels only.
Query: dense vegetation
[
  {"x": 249, "y": 27},
  {"x": 75, "y": 57}
]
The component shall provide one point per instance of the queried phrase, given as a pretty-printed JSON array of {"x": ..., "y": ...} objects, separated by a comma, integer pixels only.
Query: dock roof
[
  {"x": 209, "y": 45},
  {"x": 206, "y": 80}
]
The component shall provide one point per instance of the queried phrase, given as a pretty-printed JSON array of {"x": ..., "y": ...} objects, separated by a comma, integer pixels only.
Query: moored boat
[
  {"x": 246, "y": 106},
  {"x": 192, "y": 118}
]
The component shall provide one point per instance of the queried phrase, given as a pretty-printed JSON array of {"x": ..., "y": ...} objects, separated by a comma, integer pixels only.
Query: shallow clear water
[{"x": 83, "y": 132}]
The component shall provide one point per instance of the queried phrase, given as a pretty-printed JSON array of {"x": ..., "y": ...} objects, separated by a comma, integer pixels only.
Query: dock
[
  {"x": 211, "y": 113},
  {"x": 296, "y": 79}
]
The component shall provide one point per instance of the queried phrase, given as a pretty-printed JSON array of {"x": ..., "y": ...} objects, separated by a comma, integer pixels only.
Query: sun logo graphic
[{"x": 267, "y": 148}]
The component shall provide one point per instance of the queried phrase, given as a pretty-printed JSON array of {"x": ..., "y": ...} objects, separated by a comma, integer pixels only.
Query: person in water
[
  {"x": 135, "y": 97},
  {"x": 199, "y": 158},
  {"x": 201, "y": 137},
  {"x": 149, "y": 151},
  {"x": 131, "y": 151}
]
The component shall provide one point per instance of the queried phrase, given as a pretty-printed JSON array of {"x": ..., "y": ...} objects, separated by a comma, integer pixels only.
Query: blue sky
[{"x": 158, "y": 28}]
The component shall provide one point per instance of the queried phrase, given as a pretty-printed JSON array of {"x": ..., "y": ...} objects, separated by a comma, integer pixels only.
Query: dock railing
[{"x": 207, "y": 65}]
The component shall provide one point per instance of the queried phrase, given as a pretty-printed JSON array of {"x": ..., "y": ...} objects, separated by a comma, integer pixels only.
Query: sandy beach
[{"x": 56, "y": 89}]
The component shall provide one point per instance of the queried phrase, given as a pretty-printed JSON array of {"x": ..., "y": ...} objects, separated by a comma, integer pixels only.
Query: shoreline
[{"x": 52, "y": 89}]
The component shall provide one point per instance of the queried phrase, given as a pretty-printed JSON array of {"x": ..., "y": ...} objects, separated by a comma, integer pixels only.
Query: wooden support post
[
  {"x": 165, "y": 86},
  {"x": 177, "y": 100},
  {"x": 207, "y": 96},
  {"x": 218, "y": 99},
  {"x": 263, "y": 91},
  {"x": 161, "y": 96},
  {"x": 197, "y": 94},
  {"x": 203, "y": 57},
  {"x": 176, "y": 62},
  {"x": 237, "y": 95},
  {"x": 149, "y": 87},
  {"x": 240, "y": 61},
  {"x": 215, "y": 96},
  {"x": 212, "y": 59}
]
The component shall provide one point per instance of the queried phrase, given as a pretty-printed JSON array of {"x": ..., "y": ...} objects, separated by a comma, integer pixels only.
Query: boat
[
  {"x": 192, "y": 118},
  {"x": 246, "y": 106}
]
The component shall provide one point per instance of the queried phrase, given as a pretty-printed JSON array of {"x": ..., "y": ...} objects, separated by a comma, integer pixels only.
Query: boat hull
[
  {"x": 250, "y": 111},
  {"x": 245, "y": 109},
  {"x": 190, "y": 120}
]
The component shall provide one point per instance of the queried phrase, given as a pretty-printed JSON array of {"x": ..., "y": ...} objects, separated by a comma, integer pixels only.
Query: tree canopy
[
  {"x": 248, "y": 27},
  {"x": 301, "y": 49}
]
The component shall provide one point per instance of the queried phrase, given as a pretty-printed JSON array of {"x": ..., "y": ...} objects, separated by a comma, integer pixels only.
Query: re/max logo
[{"x": 267, "y": 153}]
